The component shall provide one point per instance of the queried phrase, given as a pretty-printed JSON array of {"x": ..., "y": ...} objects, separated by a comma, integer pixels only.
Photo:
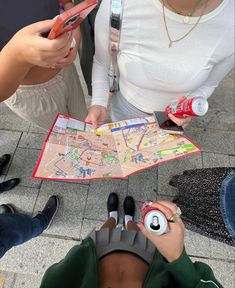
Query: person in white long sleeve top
[{"x": 168, "y": 49}]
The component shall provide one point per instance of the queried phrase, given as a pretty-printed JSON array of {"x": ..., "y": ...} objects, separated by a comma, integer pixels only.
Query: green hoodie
[{"x": 79, "y": 269}]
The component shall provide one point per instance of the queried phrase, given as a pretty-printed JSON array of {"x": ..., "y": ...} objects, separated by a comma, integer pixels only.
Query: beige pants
[{"x": 40, "y": 103}]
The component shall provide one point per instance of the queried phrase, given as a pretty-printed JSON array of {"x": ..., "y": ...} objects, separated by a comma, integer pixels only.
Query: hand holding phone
[
  {"x": 70, "y": 19},
  {"x": 167, "y": 124}
]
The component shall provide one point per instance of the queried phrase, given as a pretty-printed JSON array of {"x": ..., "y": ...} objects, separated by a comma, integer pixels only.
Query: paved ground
[{"x": 82, "y": 205}]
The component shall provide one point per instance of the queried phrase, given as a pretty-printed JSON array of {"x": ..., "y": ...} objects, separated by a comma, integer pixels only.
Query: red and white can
[
  {"x": 196, "y": 106},
  {"x": 154, "y": 220}
]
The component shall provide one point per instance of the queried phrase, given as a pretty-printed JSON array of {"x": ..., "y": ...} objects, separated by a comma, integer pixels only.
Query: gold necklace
[
  {"x": 187, "y": 16},
  {"x": 185, "y": 35}
]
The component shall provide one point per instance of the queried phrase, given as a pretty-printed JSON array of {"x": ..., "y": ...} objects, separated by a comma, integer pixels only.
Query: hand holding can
[
  {"x": 171, "y": 243},
  {"x": 196, "y": 106}
]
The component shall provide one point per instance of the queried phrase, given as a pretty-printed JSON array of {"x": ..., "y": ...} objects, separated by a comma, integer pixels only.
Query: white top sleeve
[
  {"x": 100, "y": 70},
  {"x": 217, "y": 74}
]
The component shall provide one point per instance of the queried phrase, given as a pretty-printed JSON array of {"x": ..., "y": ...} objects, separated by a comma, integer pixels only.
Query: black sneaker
[
  {"x": 9, "y": 184},
  {"x": 4, "y": 160},
  {"x": 112, "y": 203},
  {"x": 50, "y": 209},
  {"x": 6, "y": 208}
]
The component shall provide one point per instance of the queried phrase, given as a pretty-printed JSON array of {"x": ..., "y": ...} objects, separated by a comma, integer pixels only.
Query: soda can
[
  {"x": 196, "y": 106},
  {"x": 154, "y": 220}
]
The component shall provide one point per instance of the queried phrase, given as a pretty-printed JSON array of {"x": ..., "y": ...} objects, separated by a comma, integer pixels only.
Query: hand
[
  {"x": 184, "y": 122},
  {"x": 28, "y": 46},
  {"x": 96, "y": 115},
  {"x": 73, "y": 51},
  {"x": 171, "y": 244}
]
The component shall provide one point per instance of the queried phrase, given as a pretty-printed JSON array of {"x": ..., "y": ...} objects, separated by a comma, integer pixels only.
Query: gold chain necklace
[
  {"x": 186, "y": 16},
  {"x": 185, "y": 35}
]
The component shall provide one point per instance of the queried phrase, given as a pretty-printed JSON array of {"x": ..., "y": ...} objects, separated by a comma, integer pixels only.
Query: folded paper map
[{"x": 73, "y": 151}]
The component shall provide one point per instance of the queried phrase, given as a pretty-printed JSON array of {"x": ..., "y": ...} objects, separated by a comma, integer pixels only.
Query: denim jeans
[
  {"x": 16, "y": 229},
  {"x": 227, "y": 203}
]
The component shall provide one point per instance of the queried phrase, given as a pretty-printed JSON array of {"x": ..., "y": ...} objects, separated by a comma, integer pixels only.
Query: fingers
[{"x": 184, "y": 122}]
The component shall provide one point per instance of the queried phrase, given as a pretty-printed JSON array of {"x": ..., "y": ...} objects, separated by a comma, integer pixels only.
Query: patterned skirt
[{"x": 199, "y": 197}]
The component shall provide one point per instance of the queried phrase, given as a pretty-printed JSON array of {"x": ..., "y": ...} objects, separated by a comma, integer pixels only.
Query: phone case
[
  {"x": 71, "y": 18},
  {"x": 167, "y": 124}
]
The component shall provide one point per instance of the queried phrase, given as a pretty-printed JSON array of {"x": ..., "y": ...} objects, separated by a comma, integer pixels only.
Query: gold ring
[{"x": 175, "y": 216}]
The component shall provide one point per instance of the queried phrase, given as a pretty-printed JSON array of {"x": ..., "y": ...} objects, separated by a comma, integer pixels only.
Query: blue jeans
[
  {"x": 16, "y": 229},
  {"x": 227, "y": 203}
]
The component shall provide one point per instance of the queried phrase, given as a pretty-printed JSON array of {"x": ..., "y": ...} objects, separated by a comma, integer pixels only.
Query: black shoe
[
  {"x": 6, "y": 208},
  {"x": 50, "y": 209},
  {"x": 112, "y": 203},
  {"x": 129, "y": 206},
  {"x": 4, "y": 160},
  {"x": 9, "y": 184}
]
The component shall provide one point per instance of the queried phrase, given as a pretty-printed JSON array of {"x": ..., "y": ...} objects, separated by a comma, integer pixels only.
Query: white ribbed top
[{"x": 153, "y": 75}]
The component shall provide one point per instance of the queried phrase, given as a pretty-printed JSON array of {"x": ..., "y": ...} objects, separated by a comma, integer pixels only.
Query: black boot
[
  {"x": 4, "y": 160},
  {"x": 9, "y": 184}
]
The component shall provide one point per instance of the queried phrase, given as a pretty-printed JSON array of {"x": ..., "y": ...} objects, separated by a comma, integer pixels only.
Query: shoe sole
[{"x": 52, "y": 218}]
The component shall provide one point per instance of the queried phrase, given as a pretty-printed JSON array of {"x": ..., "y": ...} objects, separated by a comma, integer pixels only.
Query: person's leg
[
  {"x": 132, "y": 226},
  {"x": 16, "y": 229},
  {"x": 19, "y": 228}
]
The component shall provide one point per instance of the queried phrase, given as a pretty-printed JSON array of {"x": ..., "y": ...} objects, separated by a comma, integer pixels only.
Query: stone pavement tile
[
  {"x": 223, "y": 97},
  {"x": 215, "y": 160},
  {"x": 174, "y": 167},
  {"x": 221, "y": 250},
  {"x": 22, "y": 198},
  {"x": 8, "y": 143},
  {"x": 35, "y": 129},
  {"x": 232, "y": 161},
  {"x": 88, "y": 225},
  {"x": 36, "y": 255},
  {"x": 32, "y": 140},
  {"x": 10, "y": 121},
  {"x": 143, "y": 185},
  {"x": 98, "y": 195},
  {"x": 196, "y": 244},
  {"x": 8, "y": 278},
  {"x": 223, "y": 270},
  {"x": 72, "y": 202},
  {"x": 216, "y": 141},
  {"x": 22, "y": 166},
  {"x": 27, "y": 281}
]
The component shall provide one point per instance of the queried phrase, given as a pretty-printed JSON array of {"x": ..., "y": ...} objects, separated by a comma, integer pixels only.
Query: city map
[{"x": 74, "y": 151}]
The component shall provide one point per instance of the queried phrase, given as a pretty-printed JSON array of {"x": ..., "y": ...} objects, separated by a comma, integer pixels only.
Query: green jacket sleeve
[{"x": 192, "y": 275}]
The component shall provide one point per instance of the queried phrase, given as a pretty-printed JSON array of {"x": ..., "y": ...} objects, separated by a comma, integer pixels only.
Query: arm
[
  {"x": 100, "y": 69},
  {"x": 217, "y": 74},
  {"x": 171, "y": 246},
  {"x": 18, "y": 57}
]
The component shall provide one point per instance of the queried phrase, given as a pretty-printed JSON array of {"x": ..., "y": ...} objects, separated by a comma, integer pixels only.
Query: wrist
[
  {"x": 13, "y": 55},
  {"x": 177, "y": 254}
]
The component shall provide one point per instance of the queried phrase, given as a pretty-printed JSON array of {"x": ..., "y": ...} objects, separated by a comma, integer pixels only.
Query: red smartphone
[{"x": 71, "y": 18}]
